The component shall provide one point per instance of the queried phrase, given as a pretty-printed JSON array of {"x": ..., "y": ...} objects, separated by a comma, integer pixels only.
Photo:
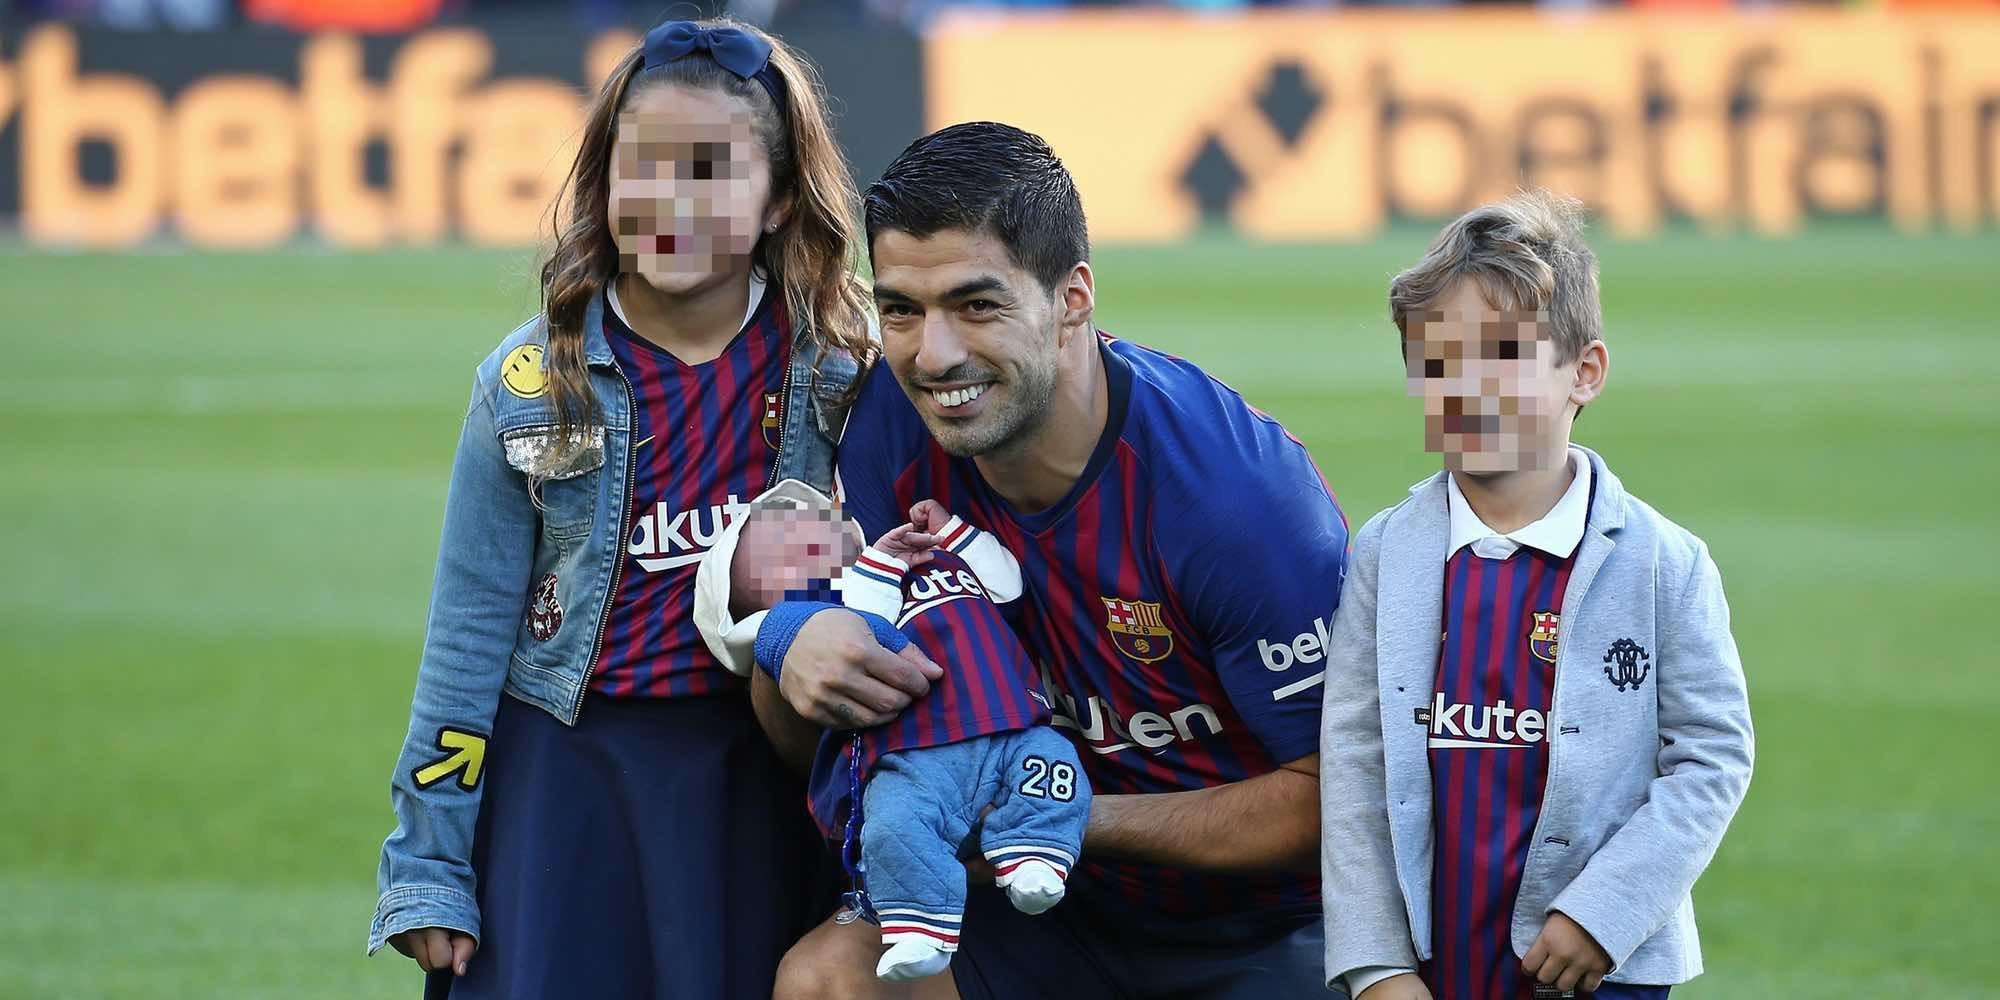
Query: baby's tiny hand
[
  {"x": 908, "y": 543},
  {"x": 929, "y": 516}
]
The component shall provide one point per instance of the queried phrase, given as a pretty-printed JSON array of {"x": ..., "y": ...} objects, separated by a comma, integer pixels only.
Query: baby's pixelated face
[
  {"x": 1492, "y": 390},
  {"x": 781, "y": 552},
  {"x": 690, "y": 186}
]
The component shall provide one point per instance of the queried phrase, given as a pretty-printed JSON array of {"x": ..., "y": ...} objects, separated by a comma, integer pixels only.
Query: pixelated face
[
  {"x": 690, "y": 186},
  {"x": 972, "y": 336},
  {"x": 1494, "y": 396},
  {"x": 780, "y": 552}
]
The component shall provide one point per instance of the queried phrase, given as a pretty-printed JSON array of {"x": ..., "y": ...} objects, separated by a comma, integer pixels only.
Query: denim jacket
[{"x": 524, "y": 582}]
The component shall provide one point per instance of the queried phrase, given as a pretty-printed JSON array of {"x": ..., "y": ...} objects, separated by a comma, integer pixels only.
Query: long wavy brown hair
[{"x": 811, "y": 256}]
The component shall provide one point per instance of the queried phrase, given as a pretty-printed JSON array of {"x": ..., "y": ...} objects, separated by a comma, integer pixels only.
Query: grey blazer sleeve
[
  {"x": 1366, "y": 922},
  {"x": 1636, "y": 881}
]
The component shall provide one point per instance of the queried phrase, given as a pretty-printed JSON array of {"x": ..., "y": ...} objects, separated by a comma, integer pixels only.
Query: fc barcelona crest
[
  {"x": 1542, "y": 637},
  {"x": 771, "y": 420},
  {"x": 1137, "y": 629}
]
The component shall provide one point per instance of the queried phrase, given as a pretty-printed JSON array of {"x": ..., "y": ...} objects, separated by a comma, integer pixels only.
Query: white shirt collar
[
  {"x": 756, "y": 299},
  {"x": 1558, "y": 532}
]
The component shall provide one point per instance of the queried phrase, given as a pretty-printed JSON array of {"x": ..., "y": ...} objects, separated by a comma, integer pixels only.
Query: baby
[{"x": 913, "y": 789}]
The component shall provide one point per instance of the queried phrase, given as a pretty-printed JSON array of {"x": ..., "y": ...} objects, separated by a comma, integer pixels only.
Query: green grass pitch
[{"x": 220, "y": 489}]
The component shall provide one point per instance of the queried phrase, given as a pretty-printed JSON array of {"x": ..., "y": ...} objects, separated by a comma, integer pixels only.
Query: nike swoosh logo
[
  {"x": 672, "y": 562},
  {"x": 1442, "y": 743}
]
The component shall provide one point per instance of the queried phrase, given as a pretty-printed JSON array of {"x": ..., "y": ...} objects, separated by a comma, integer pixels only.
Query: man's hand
[
  {"x": 1565, "y": 956},
  {"x": 436, "y": 948},
  {"x": 1404, "y": 987},
  {"x": 838, "y": 676}
]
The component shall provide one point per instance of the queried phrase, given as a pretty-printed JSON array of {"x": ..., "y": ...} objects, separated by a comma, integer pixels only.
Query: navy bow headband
[{"x": 746, "y": 55}]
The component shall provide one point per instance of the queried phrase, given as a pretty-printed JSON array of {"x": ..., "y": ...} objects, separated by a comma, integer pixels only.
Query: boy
[
  {"x": 1535, "y": 727},
  {"x": 977, "y": 752}
]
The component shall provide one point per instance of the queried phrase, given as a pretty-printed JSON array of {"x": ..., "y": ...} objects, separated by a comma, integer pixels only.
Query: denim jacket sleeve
[{"x": 485, "y": 558}]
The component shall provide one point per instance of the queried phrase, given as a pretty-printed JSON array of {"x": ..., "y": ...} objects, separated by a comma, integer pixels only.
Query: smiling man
[{"x": 1182, "y": 559}]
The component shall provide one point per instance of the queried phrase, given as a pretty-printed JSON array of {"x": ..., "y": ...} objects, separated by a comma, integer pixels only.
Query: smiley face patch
[{"x": 522, "y": 372}]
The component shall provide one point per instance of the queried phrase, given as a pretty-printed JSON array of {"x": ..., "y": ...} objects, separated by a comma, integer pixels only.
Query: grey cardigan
[{"x": 1643, "y": 778}]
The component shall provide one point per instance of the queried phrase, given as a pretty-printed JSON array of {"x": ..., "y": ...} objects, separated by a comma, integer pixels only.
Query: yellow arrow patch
[{"x": 465, "y": 756}]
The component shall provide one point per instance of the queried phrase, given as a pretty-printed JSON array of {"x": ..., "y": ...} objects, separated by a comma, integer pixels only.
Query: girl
[{"x": 585, "y": 803}]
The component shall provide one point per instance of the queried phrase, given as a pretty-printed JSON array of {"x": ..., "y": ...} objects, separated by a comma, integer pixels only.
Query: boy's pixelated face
[
  {"x": 690, "y": 186},
  {"x": 781, "y": 552},
  {"x": 1494, "y": 395}
]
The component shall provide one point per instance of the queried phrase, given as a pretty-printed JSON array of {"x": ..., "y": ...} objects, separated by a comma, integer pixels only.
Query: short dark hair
[{"x": 985, "y": 175}]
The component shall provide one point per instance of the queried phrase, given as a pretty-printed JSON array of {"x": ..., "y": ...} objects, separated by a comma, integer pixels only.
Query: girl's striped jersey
[
  {"x": 704, "y": 442},
  {"x": 1175, "y": 603}
]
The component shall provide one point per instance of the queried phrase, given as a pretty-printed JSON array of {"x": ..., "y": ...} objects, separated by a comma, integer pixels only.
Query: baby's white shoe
[
  {"x": 1033, "y": 886},
  {"x": 911, "y": 959}
]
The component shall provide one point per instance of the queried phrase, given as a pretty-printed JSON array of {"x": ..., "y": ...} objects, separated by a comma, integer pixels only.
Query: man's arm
[
  {"x": 795, "y": 739},
  {"x": 1263, "y": 823},
  {"x": 1259, "y": 568}
]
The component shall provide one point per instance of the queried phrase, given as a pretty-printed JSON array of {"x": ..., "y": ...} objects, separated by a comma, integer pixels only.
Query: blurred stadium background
[{"x": 252, "y": 252}]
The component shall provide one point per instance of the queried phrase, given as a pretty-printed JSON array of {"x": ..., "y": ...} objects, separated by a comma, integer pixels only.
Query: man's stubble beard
[{"x": 1009, "y": 430}]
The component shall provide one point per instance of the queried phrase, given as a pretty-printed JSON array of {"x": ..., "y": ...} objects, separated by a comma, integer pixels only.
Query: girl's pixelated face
[{"x": 690, "y": 187}]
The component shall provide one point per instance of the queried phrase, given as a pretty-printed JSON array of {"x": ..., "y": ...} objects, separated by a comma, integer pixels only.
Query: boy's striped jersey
[{"x": 1489, "y": 757}]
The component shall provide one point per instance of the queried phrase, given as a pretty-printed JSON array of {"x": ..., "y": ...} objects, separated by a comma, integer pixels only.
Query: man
[{"x": 1181, "y": 558}]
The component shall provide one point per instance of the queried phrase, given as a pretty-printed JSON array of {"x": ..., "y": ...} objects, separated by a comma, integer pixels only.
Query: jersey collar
[
  {"x": 1118, "y": 393},
  {"x": 1556, "y": 533},
  {"x": 749, "y": 313}
]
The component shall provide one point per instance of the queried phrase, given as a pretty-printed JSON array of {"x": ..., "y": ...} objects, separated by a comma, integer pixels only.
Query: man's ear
[{"x": 1078, "y": 300}]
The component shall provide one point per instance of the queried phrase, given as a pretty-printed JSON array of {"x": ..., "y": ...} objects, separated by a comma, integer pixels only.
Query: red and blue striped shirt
[
  {"x": 1489, "y": 761},
  {"x": 989, "y": 685},
  {"x": 704, "y": 444},
  {"x": 1175, "y": 603}
]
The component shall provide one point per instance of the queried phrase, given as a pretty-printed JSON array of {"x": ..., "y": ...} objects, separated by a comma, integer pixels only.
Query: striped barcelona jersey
[
  {"x": 989, "y": 685},
  {"x": 1489, "y": 759},
  {"x": 704, "y": 444},
  {"x": 1176, "y": 602}
]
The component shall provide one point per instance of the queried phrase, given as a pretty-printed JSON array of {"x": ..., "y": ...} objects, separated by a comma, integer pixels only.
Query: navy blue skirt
[{"x": 658, "y": 849}]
